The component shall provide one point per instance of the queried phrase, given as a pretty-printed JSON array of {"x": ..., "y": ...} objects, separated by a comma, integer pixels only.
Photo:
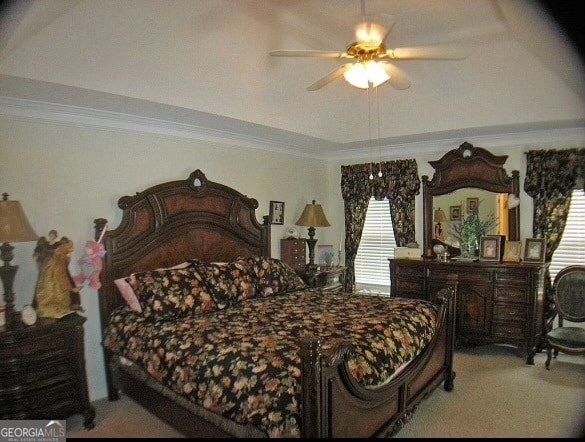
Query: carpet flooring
[{"x": 496, "y": 395}]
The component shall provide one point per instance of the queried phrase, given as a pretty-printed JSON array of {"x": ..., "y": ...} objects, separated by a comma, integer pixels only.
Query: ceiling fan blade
[
  {"x": 334, "y": 75},
  {"x": 309, "y": 53},
  {"x": 398, "y": 78},
  {"x": 427, "y": 53},
  {"x": 374, "y": 29}
]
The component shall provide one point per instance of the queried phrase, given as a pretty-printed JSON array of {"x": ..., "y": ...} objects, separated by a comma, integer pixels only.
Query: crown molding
[{"x": 241, "y": 134}]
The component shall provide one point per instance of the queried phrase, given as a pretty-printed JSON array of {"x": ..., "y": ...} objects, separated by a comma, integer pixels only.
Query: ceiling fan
[{"x": 369, "y": 56}]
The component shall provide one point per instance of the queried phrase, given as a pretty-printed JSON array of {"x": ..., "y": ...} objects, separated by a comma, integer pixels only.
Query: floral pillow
[
  {"x": 275, "y": 277},
  {"x": 171, "y": 293},
  {"x": 127, "y": 291},
  {"x": 228, "y": 283}
]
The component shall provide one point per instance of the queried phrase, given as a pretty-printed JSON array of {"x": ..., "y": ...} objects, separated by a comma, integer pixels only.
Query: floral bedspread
[{"x": 243, "y": 363}]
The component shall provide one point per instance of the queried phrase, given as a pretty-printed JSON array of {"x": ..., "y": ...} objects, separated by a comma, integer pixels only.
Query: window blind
[
  {"x": 571, "y": 249},
  {"x": 372, "y": 271}
]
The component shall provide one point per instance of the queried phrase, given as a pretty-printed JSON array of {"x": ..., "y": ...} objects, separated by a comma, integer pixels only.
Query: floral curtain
[
  {"x": 551, "y": 177},
  {"x": 399, "y": 183}
]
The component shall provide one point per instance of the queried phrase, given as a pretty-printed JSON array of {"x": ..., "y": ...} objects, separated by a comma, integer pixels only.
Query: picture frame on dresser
[
  {"x": 535, "y": 249},
  {"x": 512, "y": 251},
  {"x": 276, "y": 214},
  {"x": 490, "y": 247}
]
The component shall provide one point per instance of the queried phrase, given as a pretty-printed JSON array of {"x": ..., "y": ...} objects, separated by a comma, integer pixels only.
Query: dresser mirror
[{"x": 465, "y": 179}]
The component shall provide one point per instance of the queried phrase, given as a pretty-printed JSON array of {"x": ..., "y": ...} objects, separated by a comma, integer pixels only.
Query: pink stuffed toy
[{"x": 91, "y": 263}]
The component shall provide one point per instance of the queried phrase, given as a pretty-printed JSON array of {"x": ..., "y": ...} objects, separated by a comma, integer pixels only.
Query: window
[
  {"x": 571, "y": 249},
  {"x": 372, "y": 269}
]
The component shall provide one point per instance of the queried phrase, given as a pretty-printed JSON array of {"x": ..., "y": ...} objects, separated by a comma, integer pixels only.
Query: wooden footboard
[{"x": 335, "y": 405}]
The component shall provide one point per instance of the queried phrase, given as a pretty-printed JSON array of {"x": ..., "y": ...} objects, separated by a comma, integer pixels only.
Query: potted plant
[{"x": 469, "y": 230}]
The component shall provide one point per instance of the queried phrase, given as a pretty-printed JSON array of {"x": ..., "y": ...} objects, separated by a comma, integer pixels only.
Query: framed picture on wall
[
  {"x": 276, "y": 212},
  {"x": 534, "y": 250},
  {"x": 512, "y": 251},
  {"x": 472, "y": 204},
  {"x": 455, "y": 213}
]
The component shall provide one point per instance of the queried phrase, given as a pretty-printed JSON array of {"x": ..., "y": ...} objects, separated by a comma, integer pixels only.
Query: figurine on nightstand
[
  {"x": 56, "y": 294},
  {"x": 46, "y": 247}
]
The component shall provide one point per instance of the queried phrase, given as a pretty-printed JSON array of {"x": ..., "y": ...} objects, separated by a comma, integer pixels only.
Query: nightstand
[
  {"x": 329, "y": 279},
  {"x": 42, "y": 370}
]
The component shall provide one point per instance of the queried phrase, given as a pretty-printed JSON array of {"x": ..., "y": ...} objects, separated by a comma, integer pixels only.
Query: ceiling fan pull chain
[
  {"x": 379, "y": 143},
  {"x": 370, "y": 131}
]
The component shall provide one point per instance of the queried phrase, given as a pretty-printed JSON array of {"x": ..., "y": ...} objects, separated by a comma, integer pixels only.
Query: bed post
[
  {"x": 448, "y": 296},
  {"x": 311, "y": 360},
  {"x": 113, "y": 394}
]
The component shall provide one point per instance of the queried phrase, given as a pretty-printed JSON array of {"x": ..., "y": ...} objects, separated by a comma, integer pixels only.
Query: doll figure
[{"x": 56, "y": 294}]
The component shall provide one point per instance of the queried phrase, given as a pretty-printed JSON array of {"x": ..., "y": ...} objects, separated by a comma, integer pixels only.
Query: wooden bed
[{"x": 197, "y": 218}]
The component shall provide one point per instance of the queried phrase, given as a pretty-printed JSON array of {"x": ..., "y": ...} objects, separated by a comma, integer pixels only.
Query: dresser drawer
[
  {"x": 510, "y": 312},
  {"x": 409, "y": 286},
  {"x": 444, "y": 273},
  {"x": 509, "y": 330},
  {"x": 511, "y": 294},
  {"x": 409, "y": 271},
  {"x": 513, "y": 276}
]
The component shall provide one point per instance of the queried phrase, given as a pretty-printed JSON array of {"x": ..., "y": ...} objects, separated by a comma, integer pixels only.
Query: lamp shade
[
  {"x": 14, "y": 225},
  {"x": 313, "y": 216},
  {"x": 440, "y": 216}
]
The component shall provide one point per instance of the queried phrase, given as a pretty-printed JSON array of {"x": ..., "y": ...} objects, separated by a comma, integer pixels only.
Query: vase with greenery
[{"x": 469, "y": 230}]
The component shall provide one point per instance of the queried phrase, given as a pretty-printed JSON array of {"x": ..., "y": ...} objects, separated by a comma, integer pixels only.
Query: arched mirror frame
[{"x": 469, "y": 166}]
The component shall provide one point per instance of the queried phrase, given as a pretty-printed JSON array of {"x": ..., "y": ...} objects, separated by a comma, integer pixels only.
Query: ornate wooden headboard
[{"x": 172, "y": 222}]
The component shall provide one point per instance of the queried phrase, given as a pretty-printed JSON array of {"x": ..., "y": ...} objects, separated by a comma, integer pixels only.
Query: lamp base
[{"x": 311, "y": 268}]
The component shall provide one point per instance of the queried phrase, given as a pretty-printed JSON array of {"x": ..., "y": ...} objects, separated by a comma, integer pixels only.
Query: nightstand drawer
[
  {"x": 19, "y": 404},
  {"x": 29, "y": 374},
  {"x": 19, "y": 348}
]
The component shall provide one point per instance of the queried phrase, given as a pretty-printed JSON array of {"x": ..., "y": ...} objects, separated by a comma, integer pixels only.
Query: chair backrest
[{"x": 569, "y": 293}]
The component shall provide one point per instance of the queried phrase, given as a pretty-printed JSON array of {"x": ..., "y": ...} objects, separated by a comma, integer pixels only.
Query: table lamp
[
  {"x": 312, "y": 216},
  {"x": 440, "y": 217},
  {"x": 14, "y": 227}
]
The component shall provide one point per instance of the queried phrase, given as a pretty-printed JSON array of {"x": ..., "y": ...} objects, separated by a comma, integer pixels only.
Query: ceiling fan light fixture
[
  {"x": 362, "y": 74},
  {"x": 357, "y": 76},
  {"x": 376, "y": 73}
]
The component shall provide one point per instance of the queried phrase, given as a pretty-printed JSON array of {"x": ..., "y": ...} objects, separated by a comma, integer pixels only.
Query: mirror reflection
[{"x": 450, "y": 209}]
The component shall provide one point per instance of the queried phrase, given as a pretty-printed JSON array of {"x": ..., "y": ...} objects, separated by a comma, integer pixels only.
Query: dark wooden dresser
[
  {"x": 42, "y": 371},
  {"x": 496, "y": 302},
  {"x": 294, "y": 252}
]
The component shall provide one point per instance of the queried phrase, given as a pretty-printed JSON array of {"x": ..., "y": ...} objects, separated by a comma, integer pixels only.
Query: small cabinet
[
  {"x": 294, "y": 252},
  {"x": 496, "y": 302},
  {"x": 42, "y": 371}
]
